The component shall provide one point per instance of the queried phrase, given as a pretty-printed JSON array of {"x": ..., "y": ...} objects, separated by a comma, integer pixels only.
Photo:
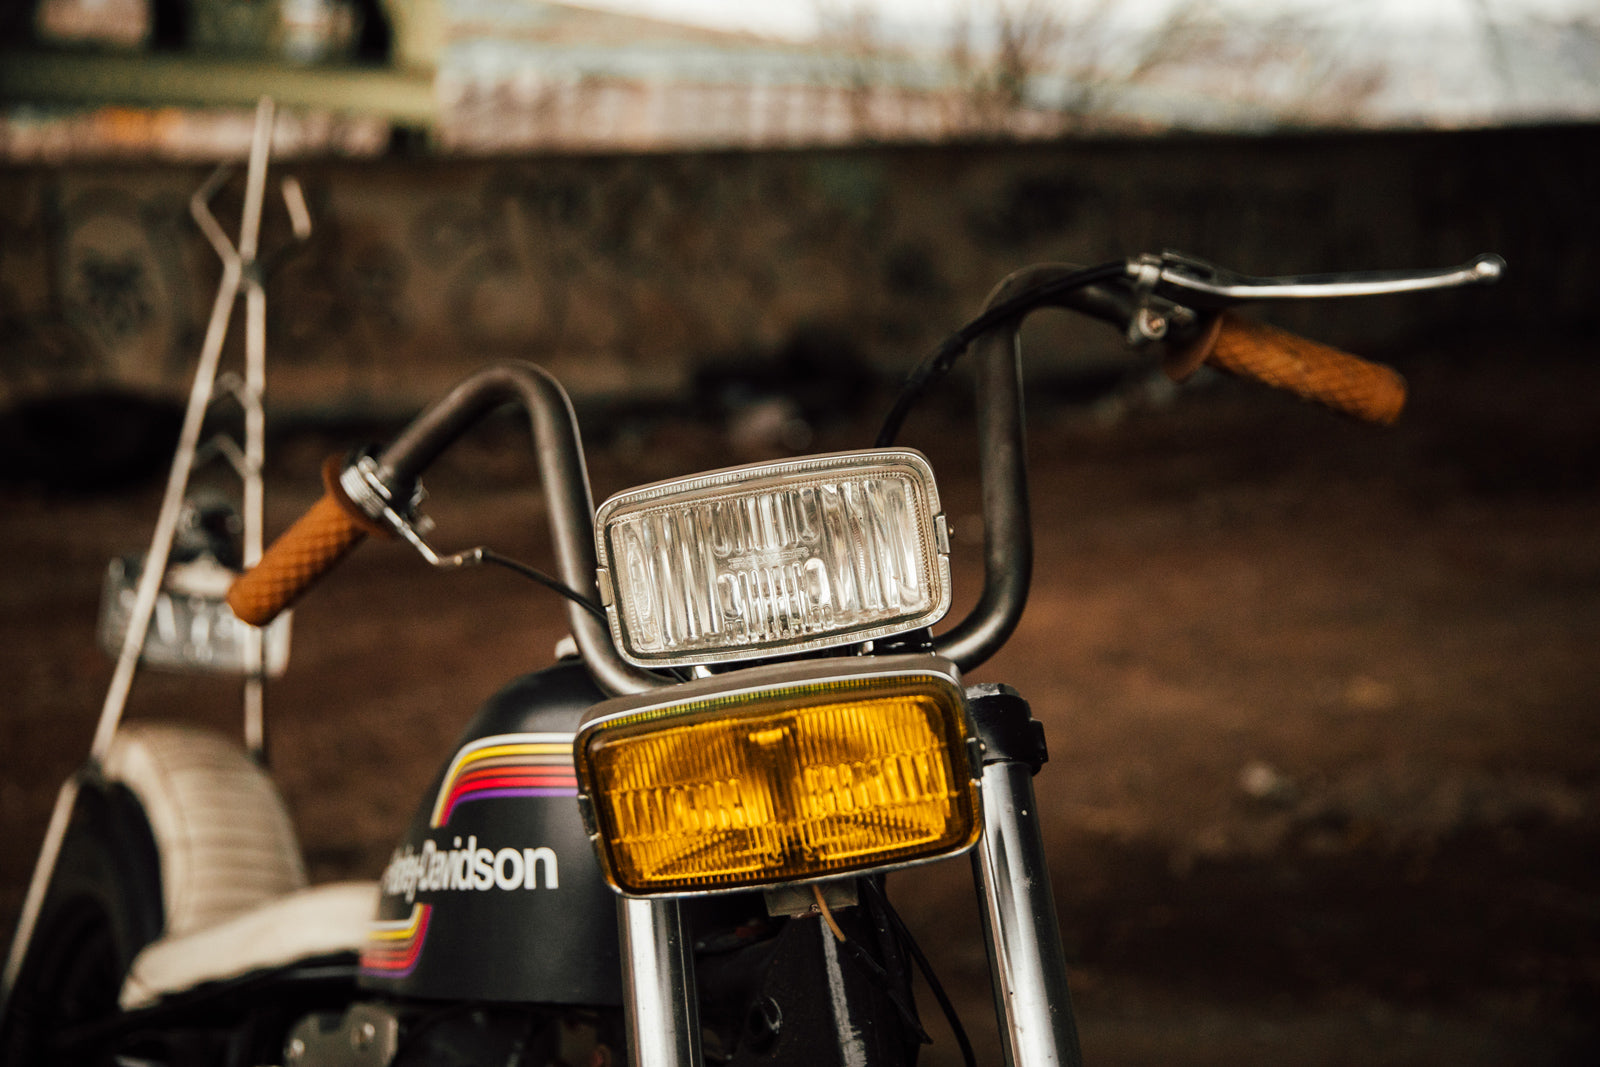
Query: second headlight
[{"x": 779, "y": 774}]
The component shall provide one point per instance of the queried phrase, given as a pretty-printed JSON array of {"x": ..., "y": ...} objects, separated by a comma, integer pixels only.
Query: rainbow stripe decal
[
  {"x": 510, "y": 765},
  {"x": 394, "y": 945}
]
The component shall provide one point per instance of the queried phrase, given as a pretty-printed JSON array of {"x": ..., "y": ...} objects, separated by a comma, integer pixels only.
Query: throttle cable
[{"x": 938, "y": 363}]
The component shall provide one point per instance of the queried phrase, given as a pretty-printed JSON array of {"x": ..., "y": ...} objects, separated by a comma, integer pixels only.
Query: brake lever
[{"x": 1201, "y": 285}]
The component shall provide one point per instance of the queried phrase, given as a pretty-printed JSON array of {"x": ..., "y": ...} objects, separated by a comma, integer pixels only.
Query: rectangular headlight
[
  {"x": 774, "y": 557},
  {"x": 779, "y": 774}
]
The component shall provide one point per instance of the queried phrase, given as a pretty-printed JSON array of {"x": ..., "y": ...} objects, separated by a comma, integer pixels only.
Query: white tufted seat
[{"x": 233, "y": 881}]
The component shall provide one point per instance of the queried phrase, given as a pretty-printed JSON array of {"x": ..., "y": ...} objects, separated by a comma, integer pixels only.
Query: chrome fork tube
[
  {"x": 1026, "y": 964},
  {"x": 658, "y": 987}
]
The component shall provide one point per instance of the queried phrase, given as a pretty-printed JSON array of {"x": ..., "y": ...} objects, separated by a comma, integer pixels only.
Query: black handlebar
[
  {"x": 559, "y": 454},
  {"x": 1003, "y": 464},
  {"x": 1115, "y": 293},
  {"x": 1179, "y": 292}
]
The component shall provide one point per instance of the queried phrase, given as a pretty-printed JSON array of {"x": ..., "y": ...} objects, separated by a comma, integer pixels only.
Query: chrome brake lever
[
  {"x": 1199, "y": 284},
  {"x": 364, "y": 485}
]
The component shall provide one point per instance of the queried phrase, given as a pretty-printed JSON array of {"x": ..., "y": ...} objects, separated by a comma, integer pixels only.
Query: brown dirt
[{"x": 1321, "y": 703}]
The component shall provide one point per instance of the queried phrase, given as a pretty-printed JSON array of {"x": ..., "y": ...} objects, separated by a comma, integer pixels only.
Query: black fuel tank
[{"x": 495, "y": 894}]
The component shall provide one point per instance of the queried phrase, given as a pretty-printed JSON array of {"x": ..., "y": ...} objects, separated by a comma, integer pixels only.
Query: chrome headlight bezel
[
  {"x": 922, "y": 529},
  {"x": 708, "y": 848}
]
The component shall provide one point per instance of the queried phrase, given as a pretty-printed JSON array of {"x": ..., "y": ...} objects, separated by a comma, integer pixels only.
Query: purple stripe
[
  {"x": 483, "y": 794},
  {"x": 379, "y": 972}
]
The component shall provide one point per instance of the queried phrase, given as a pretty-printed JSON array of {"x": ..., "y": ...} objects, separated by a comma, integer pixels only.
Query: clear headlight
[
  {"x": 779, "y": 774},
  {"x": 774, "y": 557}
]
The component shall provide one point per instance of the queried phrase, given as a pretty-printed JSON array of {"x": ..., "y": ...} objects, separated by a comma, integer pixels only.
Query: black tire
[{"x": 104, "y": 904}]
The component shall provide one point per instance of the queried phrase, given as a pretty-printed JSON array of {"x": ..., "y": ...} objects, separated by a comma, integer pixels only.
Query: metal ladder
[{"x": 241, "y": 271}]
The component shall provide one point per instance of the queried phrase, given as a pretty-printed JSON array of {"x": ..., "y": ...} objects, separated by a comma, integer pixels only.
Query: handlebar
[
  {"x": 1003, "y": 476},
  {"x": 1169, "y": 297},
  {"x": 394, "y": 473}
]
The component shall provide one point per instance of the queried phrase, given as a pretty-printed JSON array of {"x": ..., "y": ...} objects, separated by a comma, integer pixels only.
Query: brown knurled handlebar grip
[
  {"x": 304, "y": 553},
  {"x": 1345, "y": 383}
]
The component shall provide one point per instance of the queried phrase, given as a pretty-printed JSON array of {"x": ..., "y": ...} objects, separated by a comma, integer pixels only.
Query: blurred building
[
  {"x": 152, "y": 77},
  {"x": 466, "y": 76},
  {"x": 628, "y": 200},
  {"x": 545, "y": 75}
]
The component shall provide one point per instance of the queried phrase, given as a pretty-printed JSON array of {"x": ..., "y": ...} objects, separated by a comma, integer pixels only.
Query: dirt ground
[{"x": 1321, "y": 700}]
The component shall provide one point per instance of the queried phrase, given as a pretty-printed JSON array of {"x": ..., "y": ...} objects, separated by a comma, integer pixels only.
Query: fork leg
[
  {"x": 1026, "y": 963},
  {"x": 658, "y": 984}
]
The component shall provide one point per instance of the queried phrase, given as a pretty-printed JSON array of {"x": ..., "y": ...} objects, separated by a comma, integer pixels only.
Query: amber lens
[{"x": 787, "y": 785}]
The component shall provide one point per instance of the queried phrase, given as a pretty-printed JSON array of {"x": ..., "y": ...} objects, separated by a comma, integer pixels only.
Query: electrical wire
[
  {"x": 938, "y": 363},
  {"x": 548, "y": 581},
  {"x": 880, "y": 975},
  {"x": 827, "y": 913},
  {"x": 968, "y": 1057}
]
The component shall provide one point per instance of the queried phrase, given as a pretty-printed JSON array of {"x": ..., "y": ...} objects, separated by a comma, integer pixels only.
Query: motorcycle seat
[
  {"x": 307, "y": 924},
  {"x": 223, "y": 836}
]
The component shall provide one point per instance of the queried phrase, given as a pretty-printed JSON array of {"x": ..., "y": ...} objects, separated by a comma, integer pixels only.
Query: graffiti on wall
[
  {"x": 94, "y": 288},
  {"x": 626, "y": 274}
]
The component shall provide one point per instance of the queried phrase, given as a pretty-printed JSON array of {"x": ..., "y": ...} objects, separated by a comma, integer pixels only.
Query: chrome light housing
[
  {"x": 778, "y": 774},
  {"x": 774, "y": 558}
]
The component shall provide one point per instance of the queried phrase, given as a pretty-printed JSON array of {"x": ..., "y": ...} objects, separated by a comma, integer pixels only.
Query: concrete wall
[{"x": 623, "y": 274}]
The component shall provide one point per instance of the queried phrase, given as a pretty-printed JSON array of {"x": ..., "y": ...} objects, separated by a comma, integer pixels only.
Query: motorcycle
[{"x": 671, "y": 846}]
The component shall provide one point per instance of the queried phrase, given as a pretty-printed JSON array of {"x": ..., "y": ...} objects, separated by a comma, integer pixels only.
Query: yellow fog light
[{"x": 779, "y": 774}]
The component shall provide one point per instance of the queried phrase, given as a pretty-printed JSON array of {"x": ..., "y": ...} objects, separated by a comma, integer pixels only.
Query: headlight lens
[
  {"x": 786, "y": 556},
  {"x": 780, "y": 774}
]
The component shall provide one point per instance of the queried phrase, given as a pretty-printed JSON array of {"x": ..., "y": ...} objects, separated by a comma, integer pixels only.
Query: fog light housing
[
  {"x": 774, "y": 557},
  {"x": 779, "y": 774}
]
